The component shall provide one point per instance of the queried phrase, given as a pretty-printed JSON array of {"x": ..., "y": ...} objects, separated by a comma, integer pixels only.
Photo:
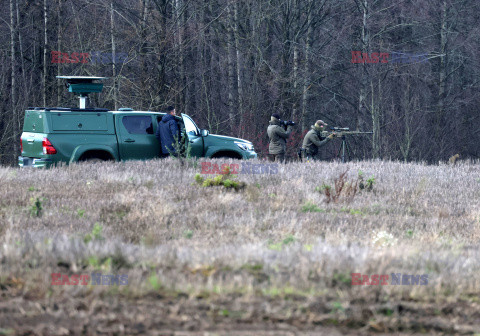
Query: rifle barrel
[
  {"x": 355, "y": 132},
  {"x": 327, "y": 133}
]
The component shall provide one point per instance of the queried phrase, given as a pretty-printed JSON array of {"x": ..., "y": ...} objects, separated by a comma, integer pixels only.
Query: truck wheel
[
  {"x": 226, "y": 155},
  {"x": 94, "y": 160},
  {"x": 95, "y": 156}
]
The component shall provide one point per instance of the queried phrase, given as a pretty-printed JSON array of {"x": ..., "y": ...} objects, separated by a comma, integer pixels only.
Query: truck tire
[
  {"x": 226, "y": 155},
  {"x": 93, "y": 160},
  {"x": 95, "y": 156}
]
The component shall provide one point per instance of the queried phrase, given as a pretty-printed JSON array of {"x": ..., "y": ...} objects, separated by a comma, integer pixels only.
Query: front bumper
[
  {"x": 249, "y": 155},
  {"x": 24, "y": 161}
]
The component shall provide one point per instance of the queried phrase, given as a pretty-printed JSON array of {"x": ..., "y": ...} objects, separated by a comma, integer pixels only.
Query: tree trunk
[
  {"x": 114, "y": 70},
  {"x": 439, "y": 125},
  {"x": 285, "y": 80},
  {"x": 295, "y": 81},
  {"x": 361, "y": 115},
  {"x": 406, "y": 145},
  {"x": 230, "y": 62},
  {"x": 13, "y": 92},
  {"x": 306, "y": 75},
  {"x": 375, "y": 114},
  {"x": 22, "y": 58},
  {"x": 184, "y": 96},
  {"x": 45, "y": 52},
  {"x": 239, "y": 70},
  {"x": 143, "y": 54}
]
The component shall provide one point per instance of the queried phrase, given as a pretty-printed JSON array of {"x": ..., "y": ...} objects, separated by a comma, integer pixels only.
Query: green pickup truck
[{"x": 53, "y": 135}]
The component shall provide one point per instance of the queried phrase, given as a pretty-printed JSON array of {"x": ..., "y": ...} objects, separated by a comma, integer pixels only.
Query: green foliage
[
  {"x": 365, "y": 185},
  {"x": 207, "y": 183},
  {"x": 188, "y": 234},
  {"x": 275, "y": 246},
  {"x": 229, "y": 183},
  {"x": 370, "y": 183},
  {"x": 256, "y": 271},
  {"x": 311, "y": 207},
  {"x": 252, "y": 267},
  {"x": 36, "y": 206},
  {"x": 121, "y": 213},
  {"x": 104, "y": 264},
  {"x": 356, "y": 212},
  {"x": 288, "y": 240},
  {"x": 342, "y": 279},
  {"x": 154, "y": 282},
  {"x": 183, "y": 151},
  {"x": 80, "y": 213},
  {"x": 353, "y": 211},
  {"x": 232, "y": 314},
  {"x": 325, "y": 187},
  {"x": 31, "y": 188},
  {"x": 198, "y": 178},
  {"x": 279, "y": 246},
  {"x": 387, "y": 312},
  {"x": 226, "y": 180},
  {"x": 308, "y": 247},
  {"x": 218, "y": 180},
  {"x": 409, "y": 233},
  {"x": 337, "y": 307},
  {"x": 96, "y": 234}
]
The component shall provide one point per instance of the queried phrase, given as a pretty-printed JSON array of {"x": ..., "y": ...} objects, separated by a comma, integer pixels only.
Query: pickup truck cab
[{"x": 53, "y": 135}]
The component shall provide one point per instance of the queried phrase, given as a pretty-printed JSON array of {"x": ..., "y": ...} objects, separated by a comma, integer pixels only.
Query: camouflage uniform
[
  {"x": 278, "y": 139},
  {"x": 312, "y": 143}
]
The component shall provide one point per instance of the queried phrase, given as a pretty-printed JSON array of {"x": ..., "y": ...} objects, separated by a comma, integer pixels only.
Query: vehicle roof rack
[
  {"x": 83, "y": 85},
  {"x": 69, "y": 109}
]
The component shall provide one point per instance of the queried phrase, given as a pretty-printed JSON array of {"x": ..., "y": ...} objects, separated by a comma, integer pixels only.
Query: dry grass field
[{"x": 272, "y": 258}]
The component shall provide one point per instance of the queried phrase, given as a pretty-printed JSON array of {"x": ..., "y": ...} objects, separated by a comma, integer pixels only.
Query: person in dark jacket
[
  {"x": 168, "y": 133},
  {"x": 278, "y": 138},
  {"x": 313, "y": 141}
]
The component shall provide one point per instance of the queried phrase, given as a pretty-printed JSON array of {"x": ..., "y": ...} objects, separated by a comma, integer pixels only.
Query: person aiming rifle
[
  {"x": 278, "y": 132},
  {"x": 314, "y": 140}
]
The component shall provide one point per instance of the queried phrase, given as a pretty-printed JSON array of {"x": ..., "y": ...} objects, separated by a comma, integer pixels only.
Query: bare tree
[{"x": 13, "y": 92}]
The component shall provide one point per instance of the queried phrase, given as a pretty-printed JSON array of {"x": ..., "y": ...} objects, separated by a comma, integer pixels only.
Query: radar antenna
[{"x": 83, "y": 85}]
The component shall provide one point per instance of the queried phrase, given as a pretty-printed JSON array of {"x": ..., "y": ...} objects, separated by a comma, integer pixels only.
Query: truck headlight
[{"x": 244, "y": 145}]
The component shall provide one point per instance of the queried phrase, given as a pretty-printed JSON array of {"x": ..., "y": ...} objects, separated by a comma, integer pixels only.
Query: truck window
[
  {"x": 138, "y": 124},
  {"x": 190, "y": 126}
]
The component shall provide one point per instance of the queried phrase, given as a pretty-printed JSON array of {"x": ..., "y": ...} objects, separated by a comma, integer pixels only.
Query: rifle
[{"x": 342, "y": 131}]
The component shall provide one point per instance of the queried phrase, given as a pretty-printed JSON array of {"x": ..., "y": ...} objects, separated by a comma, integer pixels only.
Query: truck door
[
  {"x": 136, "y": 138},
  {"x": 194, "y": 137}
]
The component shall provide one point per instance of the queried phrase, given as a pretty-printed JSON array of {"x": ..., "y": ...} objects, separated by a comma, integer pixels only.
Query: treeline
[{"x": 406, "y": 70}]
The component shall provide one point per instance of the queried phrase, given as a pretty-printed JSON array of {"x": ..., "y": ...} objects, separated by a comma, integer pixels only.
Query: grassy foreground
[{"x": 275, "y": 255}]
